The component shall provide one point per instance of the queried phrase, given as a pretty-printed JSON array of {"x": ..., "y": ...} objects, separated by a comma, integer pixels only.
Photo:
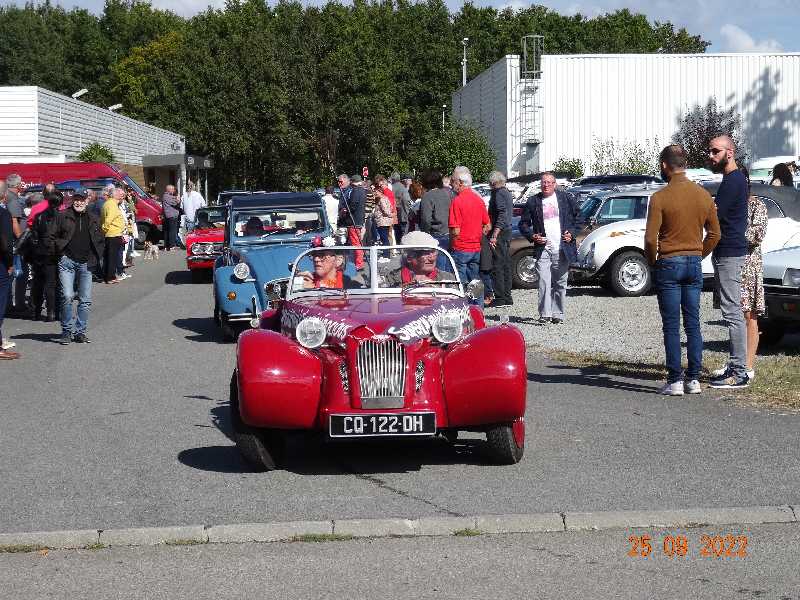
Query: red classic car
[
  {"x": 204, "y": 243},
  {"x": 393, "y": 348}
]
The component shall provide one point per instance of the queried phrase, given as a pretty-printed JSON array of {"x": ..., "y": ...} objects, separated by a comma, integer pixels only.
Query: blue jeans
[
  {"x": 442, "y": 263},
  {"x": 68, "y": 271},
  {"x": 5, "y": 293},
  {"x": 679, "y": 281},
  {"x": 468, "y": 265}
]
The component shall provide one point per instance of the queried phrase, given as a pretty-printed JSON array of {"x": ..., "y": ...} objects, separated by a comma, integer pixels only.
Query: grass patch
[
  {"x": 321, "y": 537},
  {"x": 97, "y": 546},
  {"x": 467, "y": 532},
  {"x": 20, "y": 548},
  {"x": 777, "y": 381},
  {"x": 185, "y": 542}
]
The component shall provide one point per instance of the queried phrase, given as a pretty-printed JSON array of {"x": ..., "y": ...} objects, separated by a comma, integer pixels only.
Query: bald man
[{"x": 729, "y": 257}]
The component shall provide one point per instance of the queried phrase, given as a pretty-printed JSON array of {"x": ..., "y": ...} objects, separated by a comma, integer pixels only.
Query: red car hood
[
  {"x": 215, "y": 234},
  {"x": 408, "y": 319}
]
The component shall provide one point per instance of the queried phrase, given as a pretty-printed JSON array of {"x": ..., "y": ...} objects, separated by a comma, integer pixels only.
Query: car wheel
[
  {"x": 507, "y": 442},
  {"x": 229, "y": 332},
  {"x": 253, "y": 444},
  {"x": 629, "y": 275},
  {"x": 523, "y": 270},
  {"x": 144, "y": 235},
  {"x": 770, "y": 333}
]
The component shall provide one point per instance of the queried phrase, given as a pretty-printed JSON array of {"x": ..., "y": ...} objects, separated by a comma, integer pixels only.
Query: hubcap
[
  {"x": 526, "y": 269},
  {"x": 632, "y": 275},
  {"x": 518, "y": 429}
]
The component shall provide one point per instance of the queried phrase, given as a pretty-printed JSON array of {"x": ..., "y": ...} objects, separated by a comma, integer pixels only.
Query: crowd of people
[{"x": 53, "y": 245}]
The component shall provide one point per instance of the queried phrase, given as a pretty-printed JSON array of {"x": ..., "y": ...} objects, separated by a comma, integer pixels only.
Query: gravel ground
[{"x": 628, "y": 329}]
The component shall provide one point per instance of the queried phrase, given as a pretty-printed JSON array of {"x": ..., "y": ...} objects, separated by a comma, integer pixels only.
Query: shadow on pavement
[
  {"x": 600, "y": 377},
  {"x": 205, "y": 329},
  {"x": 178, "y": 278},
  {"x": 39, "y": 337}
]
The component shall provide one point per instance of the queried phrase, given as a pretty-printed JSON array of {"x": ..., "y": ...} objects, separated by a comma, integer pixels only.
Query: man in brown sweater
[{"x": 675, "y": 245}]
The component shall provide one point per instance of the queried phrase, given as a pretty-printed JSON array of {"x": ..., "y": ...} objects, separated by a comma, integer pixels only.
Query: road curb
[{"x": 376, "y": 528}]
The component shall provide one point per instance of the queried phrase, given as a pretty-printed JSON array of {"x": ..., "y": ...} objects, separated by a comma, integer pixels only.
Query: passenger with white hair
[
  {"x": 501, "y": 209},
  {"x": 468, "y": 223}
]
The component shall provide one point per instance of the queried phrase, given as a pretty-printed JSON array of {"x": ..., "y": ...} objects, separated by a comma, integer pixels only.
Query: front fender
[
  {"x": 279, "y": 381},
  {"x": 606, "y": 249},
  {"x": 485, "y": 378},
  {"x": 224, "y": 283}
]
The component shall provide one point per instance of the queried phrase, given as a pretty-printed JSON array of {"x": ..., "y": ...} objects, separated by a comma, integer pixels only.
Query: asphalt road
[
  {"x": 556, "y": 565},
  {"x": 132, "y": 431}
]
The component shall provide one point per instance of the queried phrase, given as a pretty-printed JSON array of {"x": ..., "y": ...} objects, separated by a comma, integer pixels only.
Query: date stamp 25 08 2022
[{"x": 679, "y": 546}]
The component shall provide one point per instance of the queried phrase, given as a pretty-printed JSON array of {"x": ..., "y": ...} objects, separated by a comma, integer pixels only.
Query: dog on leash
[{"x": 150, "y": 251}]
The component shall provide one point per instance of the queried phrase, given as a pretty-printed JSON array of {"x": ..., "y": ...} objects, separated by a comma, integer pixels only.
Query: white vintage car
[
  {"x": 614, "y": 256},
  {"x": 781, "y": 294}
]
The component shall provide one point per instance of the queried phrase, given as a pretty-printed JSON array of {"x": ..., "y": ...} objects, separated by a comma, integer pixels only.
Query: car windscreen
[
  {"x": 588, "y": 208},
  {"x": 139, "y": 191},
  {"x": 211, "y": 216},
  {"x": 260, "y": 224}
]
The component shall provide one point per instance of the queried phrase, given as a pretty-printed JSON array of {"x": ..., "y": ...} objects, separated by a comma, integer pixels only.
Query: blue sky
[{"x": 732, "y": 26}]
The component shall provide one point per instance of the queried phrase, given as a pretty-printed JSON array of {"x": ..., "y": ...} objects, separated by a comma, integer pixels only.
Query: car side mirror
[
  {"x": 475, "y": 289},
  {"x": 291, "y": 267}
]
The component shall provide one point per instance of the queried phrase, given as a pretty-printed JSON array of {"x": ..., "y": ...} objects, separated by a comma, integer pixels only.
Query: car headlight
[
  {"x": 311, "y": 332},
  {"x": 241, "y": 271},
  {"x": 216, "y": 247},
  {"x": 448, "y": 327},
  {"x": 792, "y": 278},
  {"x": 195, "y": 249}
]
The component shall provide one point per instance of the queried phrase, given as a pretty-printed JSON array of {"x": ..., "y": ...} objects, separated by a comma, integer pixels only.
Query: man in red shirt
[{"x": 469, "y": 221}]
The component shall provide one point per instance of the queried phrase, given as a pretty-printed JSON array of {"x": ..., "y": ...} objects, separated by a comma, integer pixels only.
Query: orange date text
[{"x": 679, "y": 546}]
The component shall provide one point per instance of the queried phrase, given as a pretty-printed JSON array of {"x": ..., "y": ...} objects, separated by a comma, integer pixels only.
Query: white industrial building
[
  {"x": 37, "y": 125},
  {"x": 537, "y": 108}
]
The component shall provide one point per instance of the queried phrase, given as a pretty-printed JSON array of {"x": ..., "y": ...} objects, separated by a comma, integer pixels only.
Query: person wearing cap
[
  {"x": 418, "y": 264},
  {"x": 351, "y": 212},
  {"x": 79, "y": 241}
]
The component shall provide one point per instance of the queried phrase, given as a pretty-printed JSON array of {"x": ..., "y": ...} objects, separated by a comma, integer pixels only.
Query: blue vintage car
[{"x": 264, "y": 233}]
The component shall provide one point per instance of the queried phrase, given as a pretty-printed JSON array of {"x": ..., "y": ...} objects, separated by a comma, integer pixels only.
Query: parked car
[
  {"x": 92, "y": 175},
  {"x": 263, "y": 234},
  {"x": 392, "y": 350},
  {"x": 781, "y": 294},
  {"x": 614, "y": 256},
  {"x": 586, "y": 186},
  {"x": 600, "y": 208},
  {"x": 761, "y": 169},
  {"x": 205, "y": 242},
  {"x": 224, "y": 196}
]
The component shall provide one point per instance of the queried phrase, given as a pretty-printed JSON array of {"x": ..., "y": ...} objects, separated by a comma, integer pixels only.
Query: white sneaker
[
  {"x": 672, "y": 389},
  {"x": 719, "y": 372},
  {"x": 135, "y": 254},
  {"x": 751, "y": 375},
  {"x": 124, "y": 276},
  {"x": 693, "y": 387},
  {"x": 7, "y": 344}
]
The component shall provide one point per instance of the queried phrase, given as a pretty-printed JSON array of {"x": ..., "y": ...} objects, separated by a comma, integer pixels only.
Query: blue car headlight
[{"x": 241, "y": 271}]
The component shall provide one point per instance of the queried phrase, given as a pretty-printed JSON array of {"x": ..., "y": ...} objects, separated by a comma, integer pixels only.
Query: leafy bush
[
  {"x": 612, "y": 157},
  {"x": 458, "y": 144},
  {"x": 569, "y": 165},
  {"x": 700, "y": 124},
  {"x": 96, "y": 152}
]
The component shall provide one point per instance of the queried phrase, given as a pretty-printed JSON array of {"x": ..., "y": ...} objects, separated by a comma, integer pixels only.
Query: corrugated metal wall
[
  {"x": 485, "y": 102},
  {"x": 640, "y": 97},
  {"x": 18, "y": 121},
  {"x": 66, "y": 126}
]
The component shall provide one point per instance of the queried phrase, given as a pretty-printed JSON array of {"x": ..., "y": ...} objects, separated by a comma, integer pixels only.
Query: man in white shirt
[
  {"x": 331, "y": 207},
  {"x": 191, "y": 201}
]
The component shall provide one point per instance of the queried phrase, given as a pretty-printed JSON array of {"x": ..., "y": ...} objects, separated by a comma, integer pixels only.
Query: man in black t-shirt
[{"x": 79, "y": 240}]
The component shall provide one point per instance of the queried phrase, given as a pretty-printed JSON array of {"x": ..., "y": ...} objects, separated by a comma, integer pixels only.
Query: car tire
[
  {"x": 229, "y": 332},
  {"x": 506, "y": 442},
  {"x": 144, "y": 231},
  {"x": 629, "y": 275},
  {"x": 523, "y": 270},
  {"x": 253, "y": 444},
  {"x": 770, "y": 333}
]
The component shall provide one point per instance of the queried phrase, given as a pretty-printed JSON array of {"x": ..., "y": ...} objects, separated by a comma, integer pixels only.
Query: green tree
[
  {"x": 456, "y": 145},
  {"x": 569, "y": 165},
  {"x": 700, "y": 124},
  {"x": 615, "y": 157},
  {"x": 96, "y": 152}
]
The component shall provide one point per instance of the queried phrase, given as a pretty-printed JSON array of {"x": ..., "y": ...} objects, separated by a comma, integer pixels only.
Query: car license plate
[{"x": 383, "y": 425}]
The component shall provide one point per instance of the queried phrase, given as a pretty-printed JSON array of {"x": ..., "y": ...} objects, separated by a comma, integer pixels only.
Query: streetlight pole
[
  {"x": 444, "y": 108},
  {"x": 464, "y": 63}
]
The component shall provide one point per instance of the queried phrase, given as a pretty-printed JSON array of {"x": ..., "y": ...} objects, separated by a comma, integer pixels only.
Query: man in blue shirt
[{"x": 729, "y": 256}]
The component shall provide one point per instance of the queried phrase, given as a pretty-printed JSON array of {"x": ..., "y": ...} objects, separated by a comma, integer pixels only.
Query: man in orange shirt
[
  {"x": 675, "y": 245},
  {"x": 469, "y": 221}
]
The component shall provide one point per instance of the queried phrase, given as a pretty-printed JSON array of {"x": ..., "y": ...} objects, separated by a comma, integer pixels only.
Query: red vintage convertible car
[
  {"x": 391, "y": 349},
  {"x": 204, "y": 243}
]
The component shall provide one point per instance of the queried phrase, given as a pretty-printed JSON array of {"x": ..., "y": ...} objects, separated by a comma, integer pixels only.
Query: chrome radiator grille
[{"x": 381, "y": 373}]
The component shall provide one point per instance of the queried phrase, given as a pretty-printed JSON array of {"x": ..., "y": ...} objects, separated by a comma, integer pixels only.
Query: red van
[{"x": 92, "y": 175}]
